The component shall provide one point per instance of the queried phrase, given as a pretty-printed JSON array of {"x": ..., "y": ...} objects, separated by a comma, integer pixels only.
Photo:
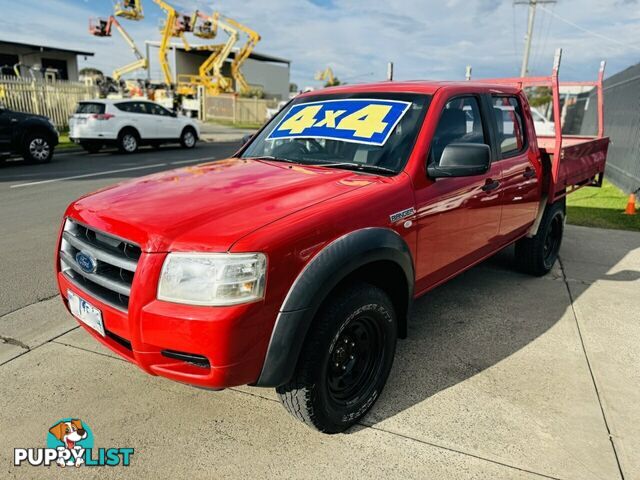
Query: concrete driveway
[{"x": 502, "y": 376}]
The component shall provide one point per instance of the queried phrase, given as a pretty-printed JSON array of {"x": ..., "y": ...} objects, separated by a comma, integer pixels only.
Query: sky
[{"x": 426, "y": 39}]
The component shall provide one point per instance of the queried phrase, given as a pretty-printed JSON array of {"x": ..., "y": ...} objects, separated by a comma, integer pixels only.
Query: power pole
[{"x": 529, "y": 35}]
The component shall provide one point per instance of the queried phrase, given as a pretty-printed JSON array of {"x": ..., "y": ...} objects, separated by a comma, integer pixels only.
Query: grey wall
[
  {"x": 272, "y": 78},
  {"x": 621, "y": 124}
]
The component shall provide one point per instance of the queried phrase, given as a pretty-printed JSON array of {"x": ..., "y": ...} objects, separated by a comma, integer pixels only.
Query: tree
[
  {"x": 293, "y": 87},
  {"x": 91, "y": 72},
  {"x": 539, "y": 96},
  {"x": 334, "y": 82}
]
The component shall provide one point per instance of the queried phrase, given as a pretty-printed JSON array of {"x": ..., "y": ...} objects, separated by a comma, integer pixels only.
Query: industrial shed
[{"x": 265, "y": 72}]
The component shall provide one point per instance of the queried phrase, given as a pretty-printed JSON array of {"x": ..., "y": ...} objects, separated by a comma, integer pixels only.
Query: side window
[
  {"x": 460, "y": 122},
  {"x": 141, "y": 107},
  {"x": 158, "y": 110},
  {"x": 125, "y": 107},
  {"x": 510, "y": 132}
]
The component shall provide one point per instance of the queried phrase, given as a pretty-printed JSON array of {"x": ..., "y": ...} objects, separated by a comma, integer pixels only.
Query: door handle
[
  {"x": 490, "y": 185},
  {"x": 14, "y": 120},
  {"x": 529, "y": 173}
]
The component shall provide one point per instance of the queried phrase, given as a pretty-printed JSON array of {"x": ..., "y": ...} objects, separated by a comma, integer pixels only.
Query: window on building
[
  {"x": 6, "y": 64},
  {"x": 59, "y": 66}
]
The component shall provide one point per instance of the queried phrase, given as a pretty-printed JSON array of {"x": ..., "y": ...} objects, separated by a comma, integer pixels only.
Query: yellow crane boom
[
  {"x": 210, "y": 72},
  {"x": 326, "y": 76},
  {"x": 103, "y": 28},
  {"x": 175, "y": 26},
  {"x": 252, "y": 39}
]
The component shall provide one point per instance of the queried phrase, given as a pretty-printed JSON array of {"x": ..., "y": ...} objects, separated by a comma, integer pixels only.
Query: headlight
[{"x": 212, "y": 278}]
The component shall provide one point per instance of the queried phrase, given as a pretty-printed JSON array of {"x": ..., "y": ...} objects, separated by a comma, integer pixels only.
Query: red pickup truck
[{"x": 294, "y": 263}]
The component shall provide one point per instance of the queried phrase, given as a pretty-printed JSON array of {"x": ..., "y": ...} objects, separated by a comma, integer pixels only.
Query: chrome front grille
[{"x": 115, "y": 261}]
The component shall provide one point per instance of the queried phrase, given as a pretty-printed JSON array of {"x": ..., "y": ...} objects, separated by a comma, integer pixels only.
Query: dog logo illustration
[
  {"x": 71, "y": 435},
  {"x": 70, "y": 444}
]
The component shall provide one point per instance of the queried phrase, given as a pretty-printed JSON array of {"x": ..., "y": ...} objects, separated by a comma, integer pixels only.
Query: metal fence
[
  {"x": 54, "y": 99},
  {"x": 621, "y": 124},
  {"x": 237, "y": 109}
]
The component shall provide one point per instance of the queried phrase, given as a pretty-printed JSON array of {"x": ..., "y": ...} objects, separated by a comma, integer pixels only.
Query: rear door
[
  {"x": 519, "y": 180},
  {"x": 458, "y": 218}
]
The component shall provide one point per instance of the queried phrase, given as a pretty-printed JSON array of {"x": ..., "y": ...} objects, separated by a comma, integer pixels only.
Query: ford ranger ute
[{"x": 294, "y": 263}]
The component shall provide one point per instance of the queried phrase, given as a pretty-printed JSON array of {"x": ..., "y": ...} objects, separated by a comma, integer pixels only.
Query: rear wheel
[
  {"x": 38, "y": 148},
  {"x": 128, "y": 141},
  {"x": 537, "y": 255},
  {"x": 188, "y": 138},
  {"x": 345, "y": 361}
]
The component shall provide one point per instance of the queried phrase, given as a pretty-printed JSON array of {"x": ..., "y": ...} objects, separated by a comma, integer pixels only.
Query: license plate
[
  {"x": 85, "y": 312},
  {"x": 80, "y": 121}
]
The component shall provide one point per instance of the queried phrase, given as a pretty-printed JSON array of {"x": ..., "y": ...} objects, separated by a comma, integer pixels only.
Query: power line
[
  {"x": 590, "y": 32},
  {"x": 544, "y": 31}
]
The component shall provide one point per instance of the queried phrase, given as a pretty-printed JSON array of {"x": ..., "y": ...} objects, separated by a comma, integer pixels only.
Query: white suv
[{"x": 129, "y": 123}]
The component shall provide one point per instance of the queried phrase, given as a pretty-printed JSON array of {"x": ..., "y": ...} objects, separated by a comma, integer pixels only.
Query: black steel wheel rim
[
  {"x": 552, "y": 240},
  {"x": 355, "y": 360}
]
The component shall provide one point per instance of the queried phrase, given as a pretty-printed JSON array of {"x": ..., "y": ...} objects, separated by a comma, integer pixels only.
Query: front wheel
[
  {"x": 188, "y": 138},
  {"x": 345, "y": 361},
  {"x": 537, "y": 255},
  {"x": 38, "y": 148}
]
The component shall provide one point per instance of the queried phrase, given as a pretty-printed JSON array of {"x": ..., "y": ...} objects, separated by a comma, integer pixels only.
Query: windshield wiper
[
  {"x": 356, "y": 166},
  {"x": 270, "y": 157}
]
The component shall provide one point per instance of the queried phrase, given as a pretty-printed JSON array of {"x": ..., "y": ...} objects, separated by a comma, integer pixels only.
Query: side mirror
[
  {"x": 246, "y": 139},
  {"x": 462, "y": 160}
]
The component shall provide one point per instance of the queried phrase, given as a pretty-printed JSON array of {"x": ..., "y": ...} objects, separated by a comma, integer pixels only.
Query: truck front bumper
[{"x": 210, "y": 347}]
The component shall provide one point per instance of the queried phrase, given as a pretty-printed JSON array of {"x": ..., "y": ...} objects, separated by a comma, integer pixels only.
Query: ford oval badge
[{"x": 86, "y": 262}]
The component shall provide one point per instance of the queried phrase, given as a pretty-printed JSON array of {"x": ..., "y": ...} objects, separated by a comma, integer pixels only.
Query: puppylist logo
[{"x": 70, "y": 444}]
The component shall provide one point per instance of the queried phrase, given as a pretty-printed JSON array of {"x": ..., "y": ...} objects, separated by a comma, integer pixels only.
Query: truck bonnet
[{"x": 208, "y": 207}]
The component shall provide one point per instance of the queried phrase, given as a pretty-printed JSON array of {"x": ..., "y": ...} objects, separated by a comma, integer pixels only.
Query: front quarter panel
[{"x": 295, "y": 241}]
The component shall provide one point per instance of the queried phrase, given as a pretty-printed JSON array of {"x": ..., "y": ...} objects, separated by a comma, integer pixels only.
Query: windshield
[{"x": 364, "y": 131}]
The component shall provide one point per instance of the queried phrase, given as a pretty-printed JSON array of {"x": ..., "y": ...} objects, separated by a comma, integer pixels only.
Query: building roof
[
  {"x": 263, "y": 57},
  {"x": 43, "y": 48}
]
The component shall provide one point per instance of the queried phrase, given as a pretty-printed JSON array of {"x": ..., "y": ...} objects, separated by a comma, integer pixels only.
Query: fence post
[{"x": 235, "y": 108}]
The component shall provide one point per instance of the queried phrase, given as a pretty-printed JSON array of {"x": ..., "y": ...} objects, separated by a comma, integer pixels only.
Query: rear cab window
[
  {"x": 510, "y": 125},
  {"x": 91, "y": 107}
]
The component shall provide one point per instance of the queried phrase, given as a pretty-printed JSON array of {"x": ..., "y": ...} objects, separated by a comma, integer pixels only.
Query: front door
[
  {"x": 458, "y": 218},
  {"x": 166, "y": 124}
]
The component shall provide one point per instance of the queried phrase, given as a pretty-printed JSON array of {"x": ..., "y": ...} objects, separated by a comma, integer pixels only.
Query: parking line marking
[
  {"x": 180, "y": 162},
  {"x": 86, "y": 175}
]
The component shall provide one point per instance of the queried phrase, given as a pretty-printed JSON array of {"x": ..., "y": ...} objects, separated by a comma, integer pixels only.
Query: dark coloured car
[{"x": 33, "y": 137}]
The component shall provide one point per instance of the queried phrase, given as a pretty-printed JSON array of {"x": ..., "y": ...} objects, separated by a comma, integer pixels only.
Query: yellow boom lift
[
  {"x": 131, "y": 9},
  {"x": 252, "y": 39},
  {"x": 103, "y": 28},
  {"x": 210, "y": 72},
  {"x": 175, "y": 26},
  {"x": 327, "y": 76}
]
